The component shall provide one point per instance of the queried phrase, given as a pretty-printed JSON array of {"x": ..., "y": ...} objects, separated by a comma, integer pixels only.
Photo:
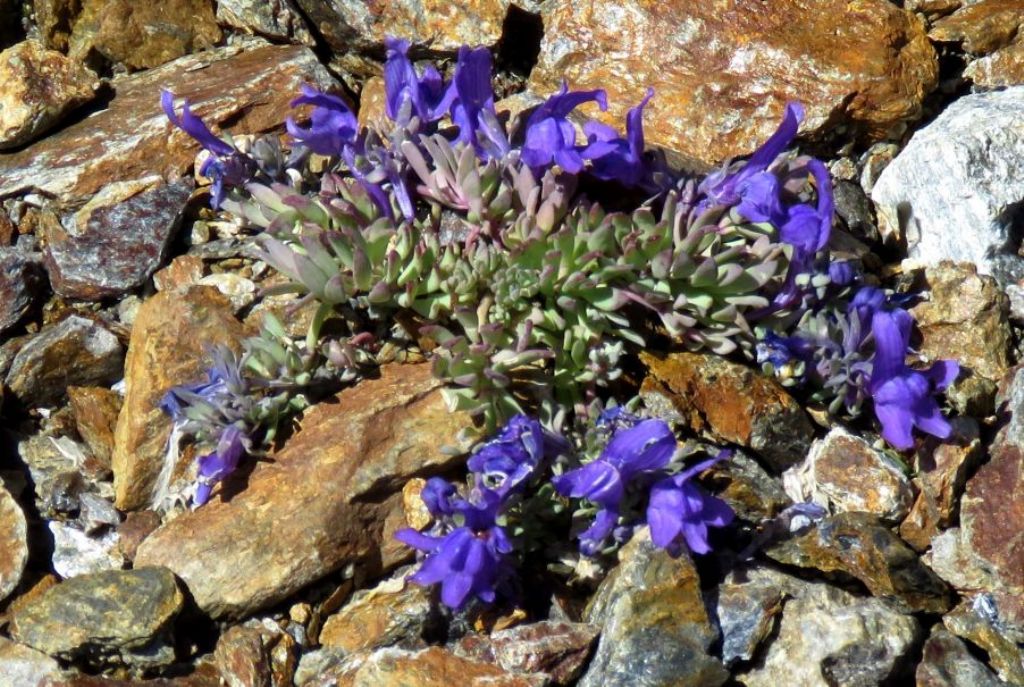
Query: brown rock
[
  {"x": 55, "y": 19},
  {"x": 37, "y": 88},
  {"x": 372, "y": 103},
  {"x": 184, "y": 271},
  {"x": 205, "y": 675},
  {"x": 95, "y": 409},
  {"x": 722, "y": 72},
  {"x": 319, "y": 504},
  {"x": 256, "y": 654},
  {"x": 982, "y": 27},
  {"x": 74, "y": 351},
  {"x": 747, "y": 487},
  {"x": 845, "y": 474},
  {"x": 856, "y": 544},
  {"x": 731, "y": 401},
  {"x": 439, "y": 24},
  {"x": 985, "y": 631},
  {"x": 941, "y": 472},
  {"x": 947, "y": 662},
  {"x": 133, "y": 531},
  {"x": 13, "y": 543},
  {"x": 395, "y": 612},
  {"x": 1004, "y": 67},
  {"x": 250, "y": 84},
  {"x": 557, "y": 649},
  {"x": 966, "y": 319},
  {"x": 20, "y": 282},
  {"x": 117, "y": 240},
  {"x": 435, "y": 667},
  {"x": 159, "y": 357},
  {"x": 933, "y": 7},
  {"x": 143, "y": 35},
  {"x": 277, "y": 19}
]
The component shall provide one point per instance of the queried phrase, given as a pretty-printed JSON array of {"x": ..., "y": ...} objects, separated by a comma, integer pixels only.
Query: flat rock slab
[
  {"x": 953, "y": 192},
  {"x": 118, "y": 240},
  {"x": 320, "y": 503},
  {"x": 722, "y": 72},
  {"x": 13, "y": 543},
  {"x": 249, "y": 84},
  {"x": 37, "y": 87},
  {"x": 103, "y": 618},
  {"x": 170, "y": 337}
]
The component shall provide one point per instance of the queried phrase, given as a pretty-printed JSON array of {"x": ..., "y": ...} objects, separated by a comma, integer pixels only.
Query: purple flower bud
[
  {"x": 679, "y": 511},
  {"x": 408, "y": 95},
  {"x": 215, "y": 466},
  {"x": 332, "y": 124}
]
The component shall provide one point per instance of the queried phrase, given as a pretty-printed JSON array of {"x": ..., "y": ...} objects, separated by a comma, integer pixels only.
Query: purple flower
[
  {"x": 438, "y": 495},
  {"x": 468, "y": 561},
  {"x": 215, "y": 466},
  {"x": 904, "y": 398},
  {"x": 473, "y": 106},
  {"x": 642, "y": 448},
  {"x": 506, "y": 461},
  {"x": 408, "y": 95},
  {"x": 614, "y": 158},
  {"x": 679, "y": 511},
  {"x": 225, "y": 164},
  {"x": 224, "y": 381},
  {"x": 332, "y": 125},
  {"x": 550, "y": 137}
]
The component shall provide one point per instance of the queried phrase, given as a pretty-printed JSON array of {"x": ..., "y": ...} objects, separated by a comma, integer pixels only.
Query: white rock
[
  {"x": 954, "y": 191},
  {"x": 76, "y": 553}
]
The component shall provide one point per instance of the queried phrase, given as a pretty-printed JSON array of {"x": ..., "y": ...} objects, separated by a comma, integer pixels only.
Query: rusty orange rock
[
  {"x": 981, "y": 27},
  {"x": 723, "y": 71}
]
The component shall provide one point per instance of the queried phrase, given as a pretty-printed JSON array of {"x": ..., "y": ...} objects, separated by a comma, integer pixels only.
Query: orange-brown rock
[
  {"x": 394, "y": 612},
  {"x": 13, "y": 543},
  {"x": 434, "y": 667},
  {"x": 731, "y": 401},
  {"x": 250, "y": 84},
  {"x": 141, "y": 35},
  {"x": 982, "y": 27},
  {"x": 319, "y": 504},
  {"x": 256, "y": 654},
  {"x": 95, "y": 409},
  {"x": 1004, "y": 67},
  {"x": 723, "y": 71},
  {"x": 37, "y": 87},
  {"x": 170, "y": 336}
]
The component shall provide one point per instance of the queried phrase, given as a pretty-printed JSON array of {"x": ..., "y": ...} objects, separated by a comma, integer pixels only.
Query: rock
[
  {"x": 440, "y": 25},
  {"x": 256, "y": 654},
  {"x": 205, "y": 675},
  {"x": 951, "y": 560},
  {"x": 95, "y": 409},
  {"x": 655, "y": 628},
  {"x": 830, "y": 637},
  {"x": 159, "y": 357},
  {"x": 55, "y": 472},
  {"x": 249, "y": 84},
  {"x": 978, "y": 622},
  {"x": 747, "y": 605},
  {"x": 947, "y": 662},
  {"x": 106, "y": 618},
  {"x": 329, "y": 488},
  {"x": 54, "y": 18},
  {"x": 857, "y": 545},
  {"x": 182, "y": 272},
  {"x": 982, "y": 27},
  {"x": 432, "y": 667},
  {"x": 934, "y": 7},
  {"x": 26, "y": 667},
  {"x": 844, "y": 474},
  {"x": 13, "y": 544},
  {"x": 73, "y": 352},
  {"x": 940, "y": 475},
  {"x": 116, "y": 242},
  {"x": 953, "y": 193},
  {"x": 373, "y": 105},
  {"x": 395, "y": 612},
  {"x": 1004, "y": 67},
  {"x": 76, "y": 553},
  {"x": 136, "y": 527},
  {"x": 239, "y": 290},
  {"x": 277, "y": 19},
  {"x": 557, "y": 649},
  {"x": 37, "y": 88},
  {"x": 19, "y": 285},
  {"x": 731, "y": 401},
  {"x": 142, "y": 36},
  {"x": 723, "y": 73},
  {"x": 96, "y": 513},
  {"x": 965, "y": 319},
  {"x": 750, "y": 491}
]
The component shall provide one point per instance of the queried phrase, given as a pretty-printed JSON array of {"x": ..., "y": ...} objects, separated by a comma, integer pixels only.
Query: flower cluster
[
  {"x": 469, "y": 549},
  {"x": 477, "y": 242}
]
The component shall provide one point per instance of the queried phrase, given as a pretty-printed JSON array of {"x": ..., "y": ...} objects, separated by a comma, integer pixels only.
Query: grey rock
[
  {"x": 276, "y": 19},
  {"x": 829, "y": 637},
  {"x": 25, "y": 667},
  {"x": 981, "y": 622},
  {"x": 116, "y": 242},
  {"x": 52, "y": 471},
  {"x": 13, "y": 543},
  {"x": 19, "y": 285},
  {"x": 655, "y": 628},
  {"x": 747, "y": 605},
  {"x": 76, "y": 553},
  {"x": 947, "y": 662},
  {"x": 558, "y": 649},
  {"x": 103, "y": 619},
  {"x": 954, "y": 192}
]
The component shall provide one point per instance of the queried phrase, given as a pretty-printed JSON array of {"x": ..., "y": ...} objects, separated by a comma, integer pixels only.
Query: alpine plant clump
[{"x": 490, "y": 249}]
